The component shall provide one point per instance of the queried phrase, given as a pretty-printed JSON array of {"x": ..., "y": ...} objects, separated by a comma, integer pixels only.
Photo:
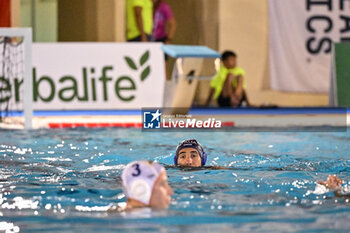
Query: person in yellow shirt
[
  {"x": 229, "y": 86},
  {"x": 139, "y": 19}
]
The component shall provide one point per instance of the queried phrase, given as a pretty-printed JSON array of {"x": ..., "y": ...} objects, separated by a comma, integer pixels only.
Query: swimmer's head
[
  {"x": 146, "y": 184},
  {"x": 190, "y": 153}
]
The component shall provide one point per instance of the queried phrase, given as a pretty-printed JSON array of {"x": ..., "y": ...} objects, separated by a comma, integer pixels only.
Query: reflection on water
[
  {"x": 8, "y": 227},
  {"x": 65, "y": 180}
]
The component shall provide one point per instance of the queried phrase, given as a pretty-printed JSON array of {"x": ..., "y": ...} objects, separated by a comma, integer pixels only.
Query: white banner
[
  {"x": 96, "y": 76},
  {"x": 301, "y": 36}
]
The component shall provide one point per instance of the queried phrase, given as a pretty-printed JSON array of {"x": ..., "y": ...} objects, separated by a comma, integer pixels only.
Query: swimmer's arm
[
  {"x": 344, "y": 192},
  {"x": 334, "y": 183},
  {"x": 340, "y": 193},
  {"x": 113, "y": 209},
  {"x": 117, "y": 208}
]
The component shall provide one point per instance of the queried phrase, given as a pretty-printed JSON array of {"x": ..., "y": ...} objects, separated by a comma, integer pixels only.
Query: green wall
[{"x": 342, "y": 71}]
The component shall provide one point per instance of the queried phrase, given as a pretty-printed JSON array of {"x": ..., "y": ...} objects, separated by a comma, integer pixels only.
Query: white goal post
[{"x": 26, "y": 35}]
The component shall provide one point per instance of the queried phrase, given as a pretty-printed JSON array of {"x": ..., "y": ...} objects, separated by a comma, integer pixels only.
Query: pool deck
[{"x": 242, "y": 117}]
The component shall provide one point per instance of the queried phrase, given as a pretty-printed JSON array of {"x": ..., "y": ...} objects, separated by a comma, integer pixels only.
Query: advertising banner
[
  {"x": 302, "y": 33},
  {"x": 97, "y": 76}
]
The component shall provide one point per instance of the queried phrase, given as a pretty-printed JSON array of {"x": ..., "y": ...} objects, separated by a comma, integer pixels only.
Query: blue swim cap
[{"x": 191, "y": 143}]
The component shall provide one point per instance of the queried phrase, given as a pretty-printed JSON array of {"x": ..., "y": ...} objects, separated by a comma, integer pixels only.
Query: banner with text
[
  {"x": 92, "y": 76},
  {"x": 301, "y": 36}
]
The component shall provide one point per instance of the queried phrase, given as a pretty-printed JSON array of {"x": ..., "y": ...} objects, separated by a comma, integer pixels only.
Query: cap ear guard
[
  {"x": 178, "y": 148},
  {"x": 204, "y": 158},
  {"x": 140, "y": 191},
  {"x": 139, "y": 178},
  {"x": 175, "y": 159},
  {"x": 202, "y": 154}
]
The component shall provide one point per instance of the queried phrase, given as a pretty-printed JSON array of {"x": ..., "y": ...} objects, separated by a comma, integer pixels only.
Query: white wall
[{"x": 243, "y": 27}]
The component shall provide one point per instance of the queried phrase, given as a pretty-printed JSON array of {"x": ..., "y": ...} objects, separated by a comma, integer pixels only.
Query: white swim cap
[{"x": 138, "y": 180}]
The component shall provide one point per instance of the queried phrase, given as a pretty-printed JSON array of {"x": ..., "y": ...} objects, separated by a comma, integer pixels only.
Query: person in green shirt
[
  {"x": 139, "y": 19},
  {"x": 229, "y": 86}
]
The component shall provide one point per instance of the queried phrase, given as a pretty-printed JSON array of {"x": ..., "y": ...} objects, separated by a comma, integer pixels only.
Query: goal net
[{"x": 16, "y": 78}]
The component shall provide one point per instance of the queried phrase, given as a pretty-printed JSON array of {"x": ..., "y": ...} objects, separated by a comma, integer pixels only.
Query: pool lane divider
[
  {"x": 246, "y": 117},
  {"x": 94, "y": 125},
  {"x": 137, "y": 125},
  {"x": 194, "y": 111}
]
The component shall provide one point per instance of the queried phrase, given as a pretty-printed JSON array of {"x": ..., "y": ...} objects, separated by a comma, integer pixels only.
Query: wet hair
[{"x": 227, "y": 54}]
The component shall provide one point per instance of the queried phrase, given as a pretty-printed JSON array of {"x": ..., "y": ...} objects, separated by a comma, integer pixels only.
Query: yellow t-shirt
[
  {"x": 132, "y": 30},
  {"x": 218, "y": 81}
]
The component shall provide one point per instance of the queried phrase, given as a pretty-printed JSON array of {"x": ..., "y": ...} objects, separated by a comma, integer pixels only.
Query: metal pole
[
  {"x": 33, "y": 20},
  {"x": 28, "y": 81}
]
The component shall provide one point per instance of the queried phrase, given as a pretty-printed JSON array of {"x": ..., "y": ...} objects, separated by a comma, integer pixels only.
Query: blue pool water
[{"x": 64, "y": 180}]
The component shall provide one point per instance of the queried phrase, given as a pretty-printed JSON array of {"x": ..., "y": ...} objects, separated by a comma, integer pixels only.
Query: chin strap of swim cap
[
  {"x": 191, "y": 143},
  {"x": 139, "y": 178}
]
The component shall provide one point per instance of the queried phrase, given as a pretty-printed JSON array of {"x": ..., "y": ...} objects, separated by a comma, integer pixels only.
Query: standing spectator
[
  {"x": 163, "y": 15},
  {"x": 139, "y": 18}
]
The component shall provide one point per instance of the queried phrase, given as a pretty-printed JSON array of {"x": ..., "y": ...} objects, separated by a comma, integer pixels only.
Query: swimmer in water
[
  {"x": 145, "y": 184},
  {"x": 335, "y": 183},
  {"x": 190, "y": 153}
]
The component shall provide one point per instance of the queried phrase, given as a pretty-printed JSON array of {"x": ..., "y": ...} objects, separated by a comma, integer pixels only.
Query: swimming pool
[{"x": 64, "y": 180}]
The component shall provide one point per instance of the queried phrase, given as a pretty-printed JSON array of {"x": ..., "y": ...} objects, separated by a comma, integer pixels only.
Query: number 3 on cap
[{"x": 137, "y": 169}]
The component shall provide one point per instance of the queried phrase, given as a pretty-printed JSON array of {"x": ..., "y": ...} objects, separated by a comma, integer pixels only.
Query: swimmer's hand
[
  {"x": 119, "y": 207},
  {"x": 333, "y": 182}
]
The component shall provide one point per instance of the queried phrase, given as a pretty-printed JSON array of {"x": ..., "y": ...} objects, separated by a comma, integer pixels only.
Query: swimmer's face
[
  {"x": 189, "y": 157},
  {"x": 161, "y": 193},
  {"x": 230, "y": 62}
]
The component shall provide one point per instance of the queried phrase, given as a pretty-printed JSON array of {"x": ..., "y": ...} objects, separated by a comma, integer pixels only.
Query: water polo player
[
  {"x": 190, "y": 153},
  {"x": 145, "y": 184}
]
